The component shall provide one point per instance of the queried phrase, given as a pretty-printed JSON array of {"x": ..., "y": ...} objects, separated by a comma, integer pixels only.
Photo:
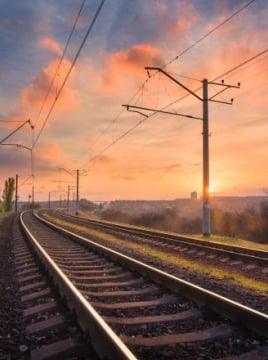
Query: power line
[
  {"x": 12, "y": 121},
  {"x": 204, "y": 37},
  {"x": 117, "y": 140},
  {"x": 141, "y": 87},
  {"x": 218, "y": 77},
  {"x": 241, "y": 64},
  {"x": 61, "y": 59},
  {"x": 172, "y": 103},
  {"x": 250, "y": 65},
  {"x": 70, "y": 69},
  {"x": 210, "y": 32}
]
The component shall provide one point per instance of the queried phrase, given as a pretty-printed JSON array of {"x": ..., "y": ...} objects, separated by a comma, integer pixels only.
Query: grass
[
  {"x": 225, "y": 240},
  {"x": 169, "y": 259},
  {"x": 234, "y": 242}
]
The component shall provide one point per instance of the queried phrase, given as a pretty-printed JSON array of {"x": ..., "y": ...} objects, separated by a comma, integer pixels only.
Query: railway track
[
  {"x": 131, "y": 310},
  {"x": 50, "y": 331},
  {"x": 185, "y": 245}
]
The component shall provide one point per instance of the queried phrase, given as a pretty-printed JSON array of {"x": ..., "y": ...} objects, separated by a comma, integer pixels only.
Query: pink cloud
[
  {"x": 188, "y": 16},
  {"x": 177, "y": 26},
  {"x": 34, "y": 94},
  {"x": 48, "y": 152},
  {"x": 50, "y": 44},
  {"x": 102, "y": 160},
  {"x": 32, "y": 97},
  {"x": 130, "y": 62}
]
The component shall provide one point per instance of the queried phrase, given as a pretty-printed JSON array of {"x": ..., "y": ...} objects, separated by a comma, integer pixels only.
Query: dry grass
[
  {"x": 234, "y": 242},
  {"x": 169, "y": 259},
  {"x": 225, "y": 240}
]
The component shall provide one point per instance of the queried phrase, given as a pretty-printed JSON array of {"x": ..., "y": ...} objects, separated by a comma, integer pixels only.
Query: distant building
[{"x": 193, "y": 195}]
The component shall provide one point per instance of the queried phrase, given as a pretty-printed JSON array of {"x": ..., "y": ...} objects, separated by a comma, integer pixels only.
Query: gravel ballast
[{"x": 11, "y": 326}]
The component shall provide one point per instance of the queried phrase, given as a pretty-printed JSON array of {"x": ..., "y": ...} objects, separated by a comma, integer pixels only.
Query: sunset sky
[{"x": 122, "y": 154}]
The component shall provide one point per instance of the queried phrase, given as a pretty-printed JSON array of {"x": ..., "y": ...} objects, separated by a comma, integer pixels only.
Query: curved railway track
[
  {"x": 180, "y": 242},
  {"x": 130, "y": 310},
  {"x": 50, "y": 330}
]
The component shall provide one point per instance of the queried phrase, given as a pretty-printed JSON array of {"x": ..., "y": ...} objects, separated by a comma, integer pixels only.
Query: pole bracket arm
[
  {"x": 148, "y": 68},
  {"x": 130, "y": 108}
]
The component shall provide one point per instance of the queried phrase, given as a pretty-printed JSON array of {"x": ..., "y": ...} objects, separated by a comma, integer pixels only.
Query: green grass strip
[{"x": 169, "y": 259}]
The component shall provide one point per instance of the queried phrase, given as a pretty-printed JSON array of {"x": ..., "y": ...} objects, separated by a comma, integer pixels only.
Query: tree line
[{"x": 7, "y": 196}]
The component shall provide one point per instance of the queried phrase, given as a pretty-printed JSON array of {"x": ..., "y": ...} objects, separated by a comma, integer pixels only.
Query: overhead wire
[
  {"x": 172, "y": 103},
  {"x": 250, "y": 65},
  {"x": 163, "y": 67},
  {"x": 220, "y": 76},
  {"x": 241, "y": 64},
  {"x": 60, "y": 61},
  {"x": 209, "y": 32},
  {"x": 70, "y": 69}
]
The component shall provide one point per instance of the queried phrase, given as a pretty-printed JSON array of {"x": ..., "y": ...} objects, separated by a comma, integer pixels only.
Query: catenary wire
[
  {"x": 210, "y": 32},
  {"x": 60, "y": 61},
  {"x": 170, "y": 104},
  {"x": 70, "y": 70},
  {"x": 142, "y": 86}
]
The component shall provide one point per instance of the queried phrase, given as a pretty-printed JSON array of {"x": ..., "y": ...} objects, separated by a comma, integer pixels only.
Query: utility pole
[
  {"x": 79, "y": 172},
  {"x": 77, "y": 191},
  {"x": 68, "y": 198},
  {"x": 16, "y": 193},
  {"x": 70, "y": 187},
  {"x": 206, "y": 227},
  {"x": 33, "y": 182}
]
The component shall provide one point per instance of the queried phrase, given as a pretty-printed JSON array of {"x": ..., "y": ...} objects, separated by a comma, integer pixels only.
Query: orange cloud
[
  {"x": 188, "y": 15},
  {"x": 48, "y": 153},
  {"x": 34, "y": 94},
  {"x": 32, "y": 97},
  {"x": 102, "y": 160},
  {"x": 128, "y": 63},
  {"x": 51, "y": 45},
  {"x": 175, "y": 27},
  {"x": 14, "y": 120}
]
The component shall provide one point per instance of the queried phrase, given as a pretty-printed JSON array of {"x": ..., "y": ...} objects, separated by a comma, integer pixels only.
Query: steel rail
[
  {"x": 239, "y": 313},
  {"x": 232, "y": 250},
  {"x": 105, "y": 342}
]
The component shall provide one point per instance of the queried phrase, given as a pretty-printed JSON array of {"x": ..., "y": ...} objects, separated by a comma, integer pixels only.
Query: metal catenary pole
[
  {"x": 16, "y": 194},
  {"x": 206, "y": 223},
  {"x": 206, "y": 199},
  {"x": 77, "y": 192}
]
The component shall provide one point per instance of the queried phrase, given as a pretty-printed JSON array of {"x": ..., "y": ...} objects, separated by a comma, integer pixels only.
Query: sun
[{"x": 211, "y": 189}]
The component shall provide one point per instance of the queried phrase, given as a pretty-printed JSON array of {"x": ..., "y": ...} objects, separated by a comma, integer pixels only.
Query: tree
[
  {"x": 264, "y": 221},
  {"x": 8, "y": 193}
]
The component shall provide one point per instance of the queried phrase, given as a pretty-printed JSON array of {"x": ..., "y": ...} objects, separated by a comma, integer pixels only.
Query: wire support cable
[
  {"x": 190, "y": 47},
  {"x": 218, "y": 77},
  {"x": 142, "y": 86},
  {"x": 60, "y": 61},
  {"x": 210, "y": 32},
  {"x": 70, "y": 69},
  {"x": 172, "y": 103}
]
